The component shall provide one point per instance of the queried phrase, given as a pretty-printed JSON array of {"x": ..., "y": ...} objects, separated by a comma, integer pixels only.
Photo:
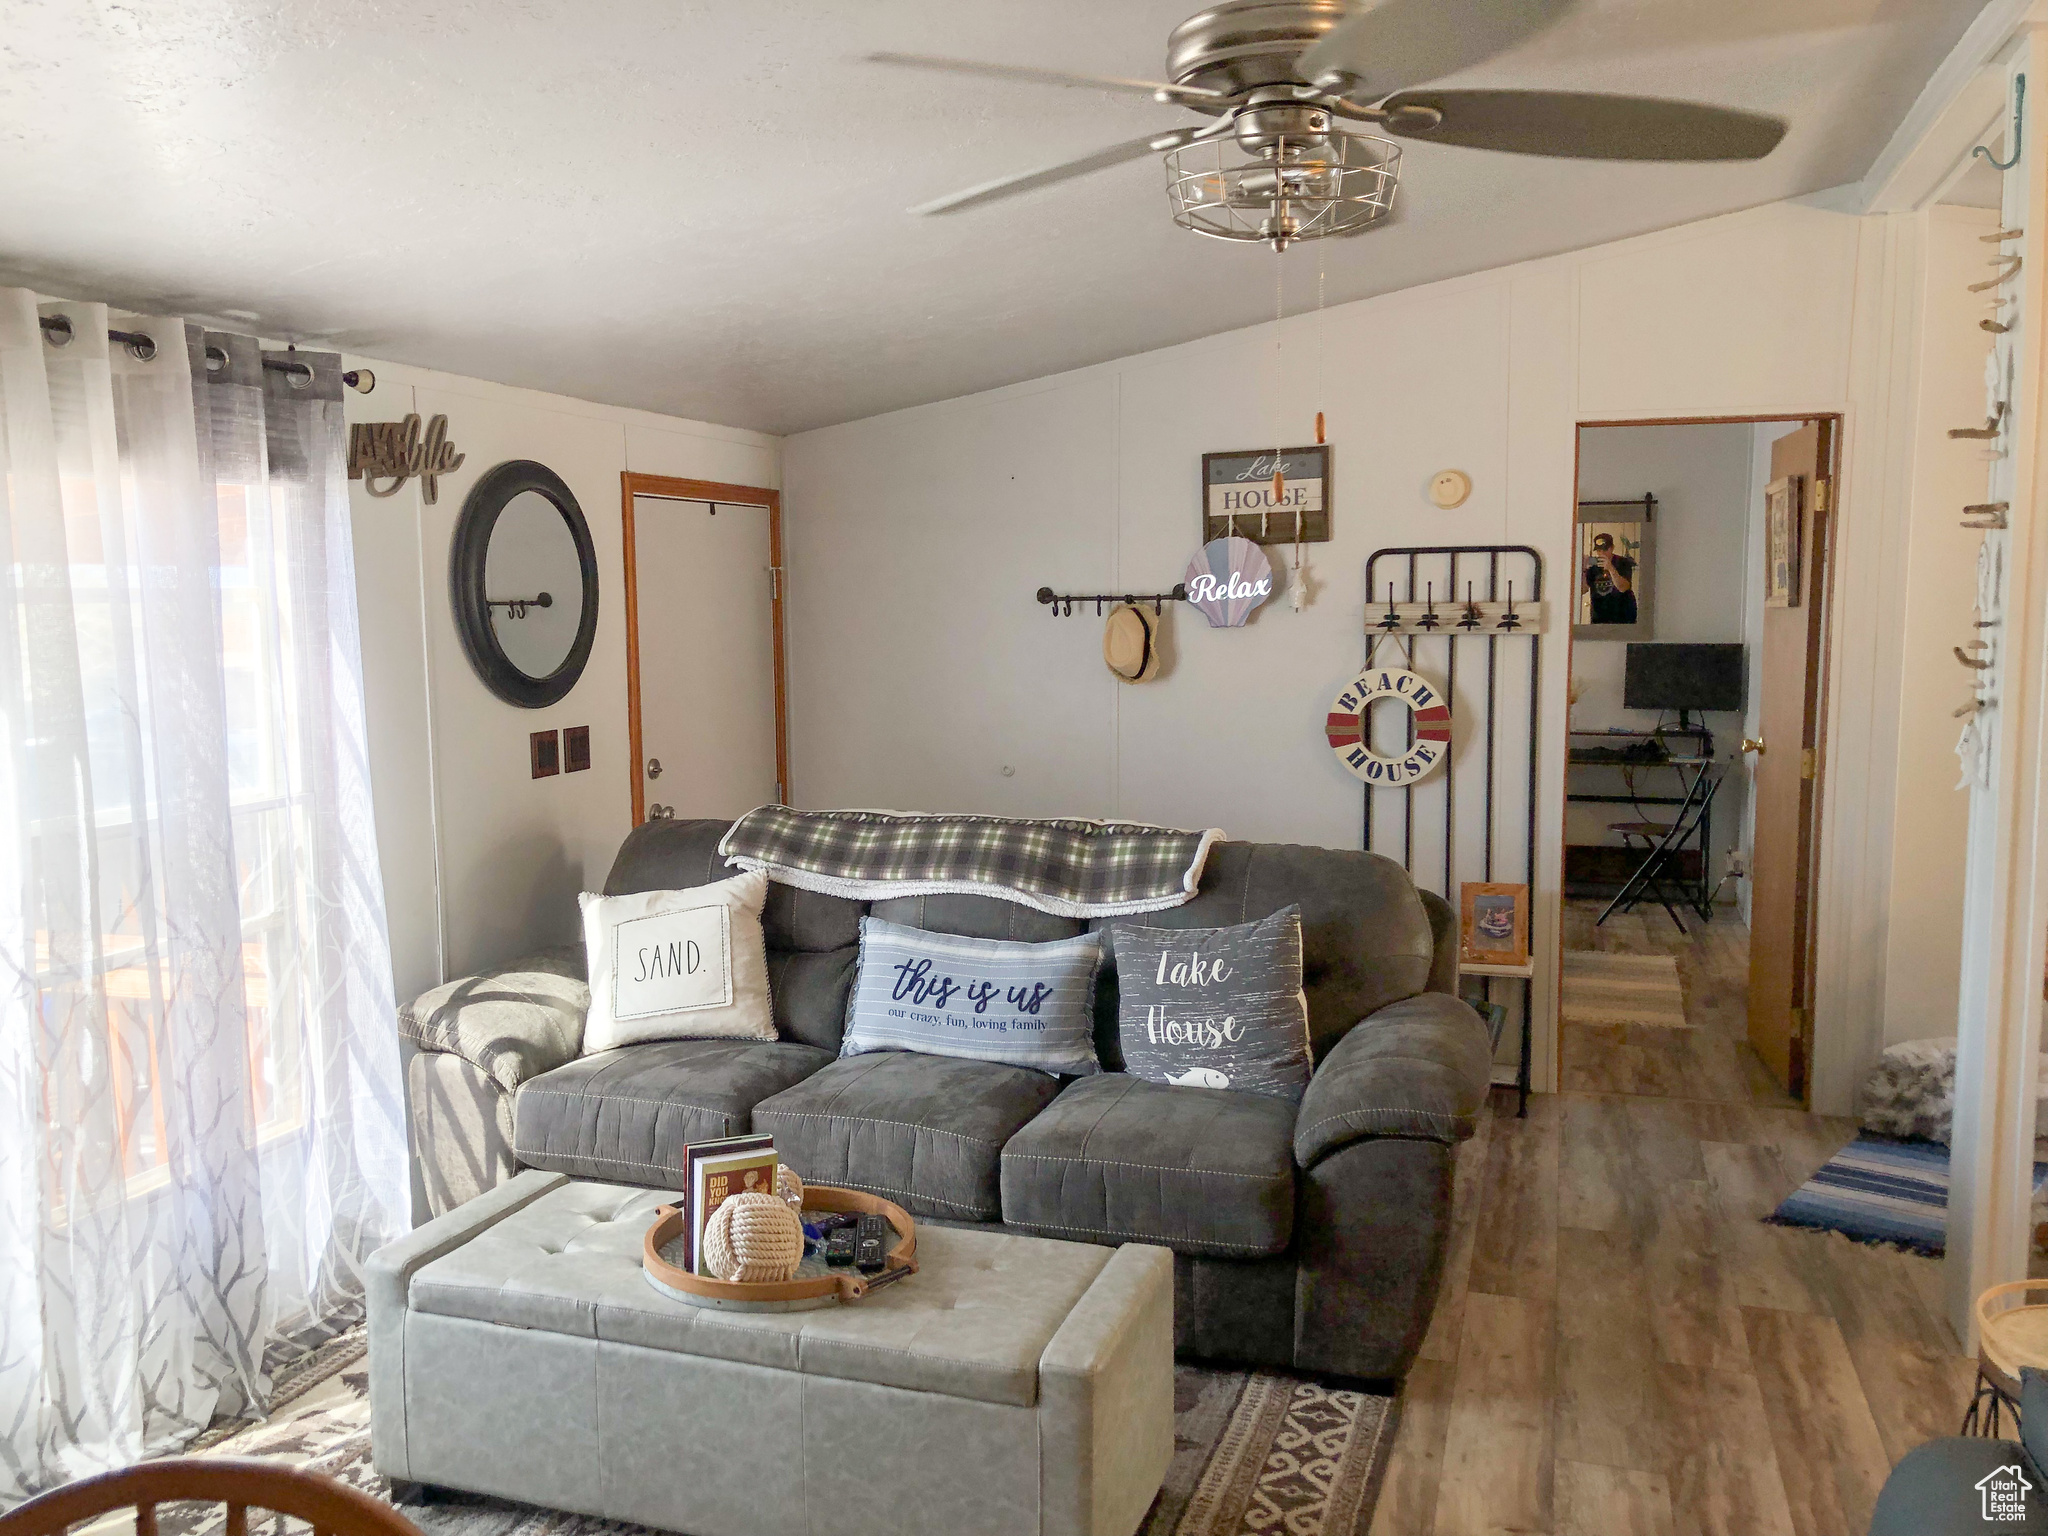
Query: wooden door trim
[
  {"x": 674, "y": 488},
  {"x": 1819, "y": 656},
  {"x": 1824, "y": 526}
]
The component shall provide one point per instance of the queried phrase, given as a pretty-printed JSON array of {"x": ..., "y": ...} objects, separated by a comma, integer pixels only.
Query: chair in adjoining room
[
  {"x": 329, "y": 1506},
  {"x": 1970, "y": 1482},
  {"x": 1661, "y": 843}
]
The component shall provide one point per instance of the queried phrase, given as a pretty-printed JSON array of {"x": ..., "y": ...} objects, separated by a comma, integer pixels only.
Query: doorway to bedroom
[{"x": 1698, "y": 630}]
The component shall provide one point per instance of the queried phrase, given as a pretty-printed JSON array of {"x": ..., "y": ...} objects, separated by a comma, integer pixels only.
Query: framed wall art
[
  {"x": 1238, "y": 499},
  {"x": 1781, "y": 542},
  {"x": 1616, "y": 570},
  {"x": 1493, "y": 923}
]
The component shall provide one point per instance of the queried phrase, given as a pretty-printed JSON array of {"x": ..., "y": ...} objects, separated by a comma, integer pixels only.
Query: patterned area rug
[
  {"x": 1881, "y": 1190},
  {"x": 1603, "y": 988},
  {"x": 1255, "y": 1454}
]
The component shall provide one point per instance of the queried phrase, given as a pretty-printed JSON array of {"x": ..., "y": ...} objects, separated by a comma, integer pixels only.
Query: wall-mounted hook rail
[
  {"x": 1062, "y": 603},
  {"x": 1994, "y": 327},
  {"x": 2011, "y": 264},
  {"x": 515, "y": 607},
  {"x": 1970, "y": 661},
  {"x": 2019, "y": 117},
  {"x": 1989, "y": 429},
  {"x": 2000, "y": 236}
]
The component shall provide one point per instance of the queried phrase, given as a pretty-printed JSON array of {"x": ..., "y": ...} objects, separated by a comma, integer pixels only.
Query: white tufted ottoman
[{"x": 1014, "y": 1386}]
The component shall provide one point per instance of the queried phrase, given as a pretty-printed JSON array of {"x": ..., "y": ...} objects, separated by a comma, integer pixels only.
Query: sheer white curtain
[{"x": 200, "y": 1131}]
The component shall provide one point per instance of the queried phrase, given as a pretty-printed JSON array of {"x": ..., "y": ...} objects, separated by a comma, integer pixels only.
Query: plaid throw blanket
[{"x": 1071, "y": 868}]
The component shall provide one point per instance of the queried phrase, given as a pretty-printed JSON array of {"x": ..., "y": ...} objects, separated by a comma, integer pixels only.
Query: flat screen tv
[{"x": 1684, "y": 677}]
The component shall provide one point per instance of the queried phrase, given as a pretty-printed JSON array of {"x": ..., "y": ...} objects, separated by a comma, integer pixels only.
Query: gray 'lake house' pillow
[
  {"x": 1215, "y": 1007},
  {"x": 1023, "y": 1005}
]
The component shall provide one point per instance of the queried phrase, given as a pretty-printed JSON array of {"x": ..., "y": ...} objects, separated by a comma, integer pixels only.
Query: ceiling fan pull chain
[{"x": 1322, "y": 268}]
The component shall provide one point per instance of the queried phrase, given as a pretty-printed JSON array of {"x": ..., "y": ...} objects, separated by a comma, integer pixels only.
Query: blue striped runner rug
[{"x": 1880, "y": 1190}]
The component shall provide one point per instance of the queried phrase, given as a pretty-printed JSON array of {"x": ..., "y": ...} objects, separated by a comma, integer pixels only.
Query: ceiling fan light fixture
[{"x": 1335, "y": 182}]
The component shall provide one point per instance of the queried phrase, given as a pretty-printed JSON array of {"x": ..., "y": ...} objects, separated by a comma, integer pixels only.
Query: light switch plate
[
  {"x": 575, "y": 748},
  {"x": 547, "y": 753}
]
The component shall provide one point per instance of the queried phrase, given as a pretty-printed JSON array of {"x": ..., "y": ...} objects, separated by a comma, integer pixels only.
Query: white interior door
[{"x": 707, "y": 657}]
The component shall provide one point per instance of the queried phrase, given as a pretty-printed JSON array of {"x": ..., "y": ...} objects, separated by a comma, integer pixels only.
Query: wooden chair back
[{"x": 330, "y": 1507}]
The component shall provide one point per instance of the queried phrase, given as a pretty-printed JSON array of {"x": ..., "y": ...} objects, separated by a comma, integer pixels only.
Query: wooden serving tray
[{"x": 805, "y": 1291}]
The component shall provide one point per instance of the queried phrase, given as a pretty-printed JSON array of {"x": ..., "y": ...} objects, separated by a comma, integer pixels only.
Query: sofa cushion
[
  {"x": 1116, "y": 1159},
  {"x": 626, "y": 1115},
  {"x": 977, "y": 917},
  {"x": 924, "y": 1131},
  {"x": 813, "y": 939},
  {"x": 942, "y": 994},
  {"x": 1365, "y": 936},
  {"x": 669, "y": 855},
  {"x": 677, "y": 965},
  {"x": 1215, "y": 1007}
]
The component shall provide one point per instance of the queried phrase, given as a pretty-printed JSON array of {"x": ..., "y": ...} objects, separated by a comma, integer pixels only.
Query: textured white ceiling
[{"x": 697, "y": 207}]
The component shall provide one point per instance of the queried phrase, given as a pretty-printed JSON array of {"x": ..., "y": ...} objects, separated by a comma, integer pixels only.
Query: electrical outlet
[{"x": 1738, "y": 866}]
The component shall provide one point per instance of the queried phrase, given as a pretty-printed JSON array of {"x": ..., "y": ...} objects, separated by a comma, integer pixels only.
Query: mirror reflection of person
[{"x": 1611, "y": 583}]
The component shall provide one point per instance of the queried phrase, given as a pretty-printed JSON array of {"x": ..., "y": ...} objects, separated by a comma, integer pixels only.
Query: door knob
[
  {"x": 1753, "y": 744},
  {"x": 654, "y": 767}
]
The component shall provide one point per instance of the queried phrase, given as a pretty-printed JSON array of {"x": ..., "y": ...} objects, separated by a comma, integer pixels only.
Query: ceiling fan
[{"x": 1280, "y": 77}]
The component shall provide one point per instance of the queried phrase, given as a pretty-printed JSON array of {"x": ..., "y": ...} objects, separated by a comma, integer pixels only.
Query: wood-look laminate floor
[{"x": 1620, "y": 1345}]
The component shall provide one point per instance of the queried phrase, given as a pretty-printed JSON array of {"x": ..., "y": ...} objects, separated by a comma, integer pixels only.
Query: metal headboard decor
[{"x": 1474, "y": 611}]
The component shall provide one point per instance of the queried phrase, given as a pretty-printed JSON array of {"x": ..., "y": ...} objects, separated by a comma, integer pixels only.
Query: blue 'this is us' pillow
[{"x": 1024, "y": 1005}]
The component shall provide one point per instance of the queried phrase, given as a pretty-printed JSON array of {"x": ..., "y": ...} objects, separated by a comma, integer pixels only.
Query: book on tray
[{"x": 713, "y": 1172}]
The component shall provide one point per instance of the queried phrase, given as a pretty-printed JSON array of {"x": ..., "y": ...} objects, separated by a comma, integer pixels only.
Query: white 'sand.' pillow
[{"x": 678, "y": 965}]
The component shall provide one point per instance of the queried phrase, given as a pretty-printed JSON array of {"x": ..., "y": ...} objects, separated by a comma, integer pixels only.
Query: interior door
[
  {"x": 1784, "y": 763},
  {"x": 707, "y": 612}
]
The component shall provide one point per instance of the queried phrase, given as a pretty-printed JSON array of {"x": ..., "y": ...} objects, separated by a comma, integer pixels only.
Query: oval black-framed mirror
[{"x": 521, "y": 530}]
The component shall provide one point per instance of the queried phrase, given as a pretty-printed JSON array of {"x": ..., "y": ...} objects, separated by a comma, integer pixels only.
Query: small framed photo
[
  {"x": 1782, "y": 523},
  {"x": 1493, "y": 924},
  {"x": 1617, "y": 570}
]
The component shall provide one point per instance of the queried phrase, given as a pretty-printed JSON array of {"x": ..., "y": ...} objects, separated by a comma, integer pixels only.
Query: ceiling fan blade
[
  {"x": 1066, "y": 170},
  {"x": 1154, "y": 88},
  {"x": 1576, "y": 125},
  {"x": 1400, "y": 43}
]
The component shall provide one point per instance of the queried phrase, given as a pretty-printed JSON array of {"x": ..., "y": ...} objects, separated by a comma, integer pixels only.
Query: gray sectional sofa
[{"x": 1309, "y": 1237}]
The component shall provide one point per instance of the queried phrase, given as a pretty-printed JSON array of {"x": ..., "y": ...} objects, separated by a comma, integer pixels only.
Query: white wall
[
  {"x": 922, "y": 667},
  {"x": 1699, "y": 474},
  {"x": 482, "y": 861},
  {"x": 1923, "y": 958}
]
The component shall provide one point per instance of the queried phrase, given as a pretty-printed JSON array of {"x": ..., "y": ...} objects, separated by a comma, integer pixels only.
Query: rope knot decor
[{"x": 753, "y": 1238}]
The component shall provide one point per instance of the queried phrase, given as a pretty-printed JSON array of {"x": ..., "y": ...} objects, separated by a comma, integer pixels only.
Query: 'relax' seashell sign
[{"x": 1227, "y": 579}]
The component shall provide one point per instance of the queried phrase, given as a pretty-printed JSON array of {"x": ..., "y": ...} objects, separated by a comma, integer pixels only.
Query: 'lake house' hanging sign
[
  {"x": 1349, "y": 727},
  {"x": 1238, "y": 495},
  {"x": 1227, "y": 579}
]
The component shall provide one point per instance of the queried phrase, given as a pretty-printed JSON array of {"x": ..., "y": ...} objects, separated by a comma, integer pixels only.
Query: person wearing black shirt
[{"x": 1610, "y": 580}]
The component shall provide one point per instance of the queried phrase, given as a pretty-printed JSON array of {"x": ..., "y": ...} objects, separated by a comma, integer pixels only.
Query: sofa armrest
[
  {"x": 512, "y": 1023},
  {"x": 1416, "y": 1068}
]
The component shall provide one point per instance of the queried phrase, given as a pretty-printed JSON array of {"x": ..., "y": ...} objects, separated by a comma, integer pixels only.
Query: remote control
[
  {"x": 871, "y": 1247},
  {"x": 839, "y": 1248}
]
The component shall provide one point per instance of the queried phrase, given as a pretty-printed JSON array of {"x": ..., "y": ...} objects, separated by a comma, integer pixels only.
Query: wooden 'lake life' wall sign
[
  {"x": 395, "y": 452},
  {"x": 1238, "y": 499}
]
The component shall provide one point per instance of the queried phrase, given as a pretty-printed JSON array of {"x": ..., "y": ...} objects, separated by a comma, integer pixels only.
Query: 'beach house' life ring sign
[{"x": 1347, "y": 726}]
